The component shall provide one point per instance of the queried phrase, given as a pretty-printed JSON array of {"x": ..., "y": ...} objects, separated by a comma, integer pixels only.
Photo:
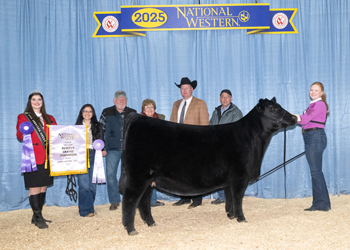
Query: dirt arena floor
[{"x": 272, "y": 224}]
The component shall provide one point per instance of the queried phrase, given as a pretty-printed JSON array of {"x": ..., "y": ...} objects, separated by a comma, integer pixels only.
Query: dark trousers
[
  {"x": 195, "y": 199},
  {"x": 315, "y": 144}
]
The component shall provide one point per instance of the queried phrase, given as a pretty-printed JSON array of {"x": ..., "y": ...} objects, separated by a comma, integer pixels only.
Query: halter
[{"x": 278, "y": 120}]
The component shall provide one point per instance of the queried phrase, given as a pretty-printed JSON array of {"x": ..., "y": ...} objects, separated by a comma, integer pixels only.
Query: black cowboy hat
[{"x": 185, "y": 80}]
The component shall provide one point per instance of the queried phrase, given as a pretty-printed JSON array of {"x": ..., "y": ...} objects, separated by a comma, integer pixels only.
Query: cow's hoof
[
  {"x": 231, "y": 216},
  {"x": 133, "y": 233},
  {"x": 241, "y": 219},
  {"x": 152, "y": 225}
]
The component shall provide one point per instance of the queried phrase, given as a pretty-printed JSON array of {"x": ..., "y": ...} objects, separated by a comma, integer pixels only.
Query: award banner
[
  {"x": 68, "y": 148},
  {"x": 109, "y": 25},
  {"x": 195, "y": 17},
  {"x": 280, "y": 22},
  {"x": 135, "y": 20}
]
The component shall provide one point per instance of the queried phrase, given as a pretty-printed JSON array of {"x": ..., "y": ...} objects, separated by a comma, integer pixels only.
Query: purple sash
[
  {"x": 39, "y": 130},
  {"x": 28, "y": 157}
]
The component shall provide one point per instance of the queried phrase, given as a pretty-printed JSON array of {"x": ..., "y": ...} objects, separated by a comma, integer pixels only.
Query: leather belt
[{"x": 310, "y": 129}]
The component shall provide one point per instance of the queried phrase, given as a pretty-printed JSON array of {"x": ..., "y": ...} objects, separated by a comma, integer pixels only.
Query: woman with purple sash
[
  {"x": 313, "y": 122},
  {"x": 32, "y": 130},
  {"x": 87, "y": 189}
]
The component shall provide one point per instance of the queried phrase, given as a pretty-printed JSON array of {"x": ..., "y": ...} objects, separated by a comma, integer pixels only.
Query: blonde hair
[
  {"x": 147, "y": 102},
  {"x": 323, "y": 97}
]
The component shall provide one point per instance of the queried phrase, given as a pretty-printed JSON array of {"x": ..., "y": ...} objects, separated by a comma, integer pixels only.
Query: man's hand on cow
[{"x": 104, "y": 153}]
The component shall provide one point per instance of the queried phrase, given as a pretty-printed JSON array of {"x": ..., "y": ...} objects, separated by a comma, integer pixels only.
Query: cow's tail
[{"x": 123, "y": 176}]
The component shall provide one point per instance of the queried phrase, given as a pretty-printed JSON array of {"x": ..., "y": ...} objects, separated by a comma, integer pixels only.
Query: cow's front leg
[
  {"x": 238, "y": 193},
  {"x": 145, "y": 207}
]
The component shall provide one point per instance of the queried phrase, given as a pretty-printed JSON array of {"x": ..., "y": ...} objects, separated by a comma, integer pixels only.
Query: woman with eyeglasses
[
  {"x": 37, "y": 181},
  {"x": 149, "y": 109},
  {"x": 87, "y": 189}
]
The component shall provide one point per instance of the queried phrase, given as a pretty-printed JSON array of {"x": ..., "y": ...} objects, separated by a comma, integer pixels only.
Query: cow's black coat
[{"x": 192, "y": 160}]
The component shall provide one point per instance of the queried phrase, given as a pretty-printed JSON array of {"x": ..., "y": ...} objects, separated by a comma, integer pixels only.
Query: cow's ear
[
  {"x": 273, "y": 99},
  {"x": 260, "y": 105},
  {"x": 260, "y": 102}
]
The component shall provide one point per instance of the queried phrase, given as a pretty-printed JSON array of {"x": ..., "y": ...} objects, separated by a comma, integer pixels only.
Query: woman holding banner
[
  {"x": 87, "y": 189},
  {"x": 32, "y": 125}
]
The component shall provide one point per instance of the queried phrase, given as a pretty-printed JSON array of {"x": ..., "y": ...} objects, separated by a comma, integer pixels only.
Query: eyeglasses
[
  {"x": 149, "y": 107},
  {"x": 87, "y": 111}
]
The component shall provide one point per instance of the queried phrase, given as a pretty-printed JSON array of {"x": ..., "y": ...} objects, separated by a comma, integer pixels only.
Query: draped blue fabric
[{"x": 48, "y": 46}]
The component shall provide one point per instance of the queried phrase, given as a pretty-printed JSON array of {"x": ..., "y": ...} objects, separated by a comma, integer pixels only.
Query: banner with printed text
[
  {"x": 135, "y": 20},
  {"x": 68, "y": 149}
]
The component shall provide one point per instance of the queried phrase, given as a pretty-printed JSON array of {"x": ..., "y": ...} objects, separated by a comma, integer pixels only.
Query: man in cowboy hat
[{"x": 189, "y": 110}]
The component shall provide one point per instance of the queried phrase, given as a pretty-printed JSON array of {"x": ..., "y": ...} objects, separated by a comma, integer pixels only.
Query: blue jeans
[
  {"x": 154, "y": 196},
  {"x": 87, "y": 189},
  {"x": 221, "y": 194},
  {"x": 315, "y": 144},
  {"x": 112, "y": 162}
]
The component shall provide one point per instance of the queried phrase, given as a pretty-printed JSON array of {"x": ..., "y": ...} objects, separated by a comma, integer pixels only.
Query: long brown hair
[
  {"x": 323, "y": 97},
  {"x": 30, "y": 110},
  {"x": 95, "y": 125}
]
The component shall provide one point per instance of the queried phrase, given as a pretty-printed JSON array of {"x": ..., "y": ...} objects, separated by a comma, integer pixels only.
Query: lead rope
[
  {"x": 279, "y": 166},
  {"x": 71, "y": 183},
  {"x": 284, "y": 164}
]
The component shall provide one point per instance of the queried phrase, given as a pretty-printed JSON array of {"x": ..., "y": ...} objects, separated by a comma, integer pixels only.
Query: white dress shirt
[{"x": 188, "y": 101}]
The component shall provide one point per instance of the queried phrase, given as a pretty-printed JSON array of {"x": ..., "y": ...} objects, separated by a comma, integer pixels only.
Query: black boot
[
  {"x": 42, "y": 202},
  {"x": 39, "y": 221}
]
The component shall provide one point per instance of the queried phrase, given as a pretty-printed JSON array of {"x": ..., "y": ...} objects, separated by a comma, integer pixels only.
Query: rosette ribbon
[
  {"x": 28, "y": 158},
  {"x": 98, "y": 175}
]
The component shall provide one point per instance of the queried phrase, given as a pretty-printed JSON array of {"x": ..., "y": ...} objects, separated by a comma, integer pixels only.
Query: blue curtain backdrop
[{"x": 48, "y": 46}]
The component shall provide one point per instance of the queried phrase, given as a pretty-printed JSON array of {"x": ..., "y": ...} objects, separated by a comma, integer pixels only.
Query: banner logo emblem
[
  {"x": 244, "y": 16},
  {"x": 110, "y": 24},
  {"x": 280, "y": 20}
]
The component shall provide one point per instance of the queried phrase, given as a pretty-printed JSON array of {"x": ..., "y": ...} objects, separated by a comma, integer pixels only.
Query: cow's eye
[{"x": 272, "y": 109}]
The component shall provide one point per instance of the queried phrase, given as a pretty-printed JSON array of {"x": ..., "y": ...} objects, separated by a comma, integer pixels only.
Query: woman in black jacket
[{"x": 87, "y": 189}]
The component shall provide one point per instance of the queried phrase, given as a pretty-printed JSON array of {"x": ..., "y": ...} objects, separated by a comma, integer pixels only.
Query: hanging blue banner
[
  {"x": 280, "y": 22},
  {"x": 135, "y": 20},
  {"x": 109, "y": 25},
  {"x": 195, "y": 17}
]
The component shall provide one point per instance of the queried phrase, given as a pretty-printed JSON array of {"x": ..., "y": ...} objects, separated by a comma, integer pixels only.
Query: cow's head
[{"x": 277, "y": 117}]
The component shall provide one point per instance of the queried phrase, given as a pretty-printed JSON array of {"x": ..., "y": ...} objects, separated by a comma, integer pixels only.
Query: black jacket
[{"x": 113, "y": 127}]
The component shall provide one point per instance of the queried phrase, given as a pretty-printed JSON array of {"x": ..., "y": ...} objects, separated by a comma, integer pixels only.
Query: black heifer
[{"x": 192, "y": 160}]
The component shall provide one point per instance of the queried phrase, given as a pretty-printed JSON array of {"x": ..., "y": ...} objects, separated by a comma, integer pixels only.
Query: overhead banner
[
  {"x": 256, "y": 18},
  {"x": 109, "y": 25},
  {"x": 195, "y": 17},
  {"x": 280, "y": 22},
  {"x": 68, "y": 148}
]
